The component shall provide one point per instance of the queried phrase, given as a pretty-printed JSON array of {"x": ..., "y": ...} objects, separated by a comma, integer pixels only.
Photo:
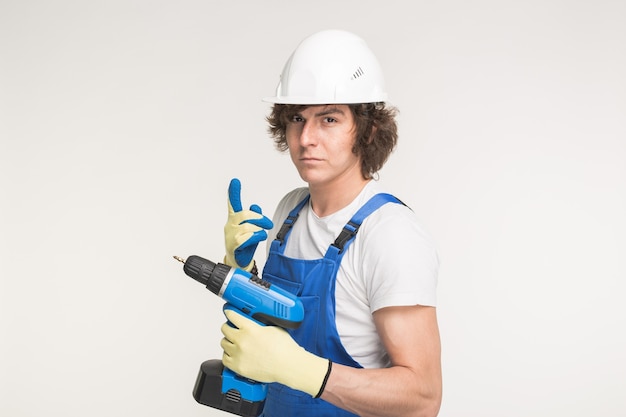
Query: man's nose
[{"x": 308, "y": 135}]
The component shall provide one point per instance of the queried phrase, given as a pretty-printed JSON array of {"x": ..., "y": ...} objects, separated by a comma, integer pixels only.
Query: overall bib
[{"x": 314, "y": 282}]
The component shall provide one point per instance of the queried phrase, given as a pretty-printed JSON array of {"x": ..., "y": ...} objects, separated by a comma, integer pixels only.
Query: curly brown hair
[{"x": 376, "y": 131}]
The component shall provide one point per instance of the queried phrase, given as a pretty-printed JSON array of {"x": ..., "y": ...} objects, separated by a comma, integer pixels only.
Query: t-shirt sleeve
[{"x": 399, "y": 259}]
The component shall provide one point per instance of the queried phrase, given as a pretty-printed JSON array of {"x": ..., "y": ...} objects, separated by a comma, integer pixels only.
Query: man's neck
[{"x": 327, "y": 199}]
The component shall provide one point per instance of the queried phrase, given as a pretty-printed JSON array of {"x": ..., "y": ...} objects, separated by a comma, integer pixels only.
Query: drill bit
[{"x": 179, "y": 259}]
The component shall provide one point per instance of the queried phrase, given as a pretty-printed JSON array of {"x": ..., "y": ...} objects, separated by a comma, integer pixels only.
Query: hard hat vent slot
[{"x": 357, "y": 73}]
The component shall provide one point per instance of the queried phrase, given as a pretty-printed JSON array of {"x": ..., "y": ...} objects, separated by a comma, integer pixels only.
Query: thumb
[
  {"x": 236, "y": 318},
  {"x": 264, "y": 222}
]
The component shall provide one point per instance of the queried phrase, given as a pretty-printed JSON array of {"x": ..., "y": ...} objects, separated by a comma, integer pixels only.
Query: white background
[{"x": 121, "y": 123}]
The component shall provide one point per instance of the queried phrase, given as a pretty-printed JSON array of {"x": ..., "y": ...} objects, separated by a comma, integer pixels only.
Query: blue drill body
[{"x": 267, "y": 304}]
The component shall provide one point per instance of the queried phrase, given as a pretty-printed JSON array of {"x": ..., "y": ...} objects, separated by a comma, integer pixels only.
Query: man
[{"x": 358, "y": 258}]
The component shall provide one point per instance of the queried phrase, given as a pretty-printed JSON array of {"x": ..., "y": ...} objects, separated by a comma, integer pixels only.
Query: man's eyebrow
[{"x": 329, "y": 110}]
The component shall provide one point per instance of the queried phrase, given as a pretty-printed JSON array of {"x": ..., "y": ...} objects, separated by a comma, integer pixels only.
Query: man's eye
[
  {"x": 330, "y": 120},
  {"x": 297, "y": 119}
]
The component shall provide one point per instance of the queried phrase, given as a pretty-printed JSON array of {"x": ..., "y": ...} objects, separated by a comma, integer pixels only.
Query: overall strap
[
  {"x": 347, "y": 235},
  {"x": 285, "y": 229}
]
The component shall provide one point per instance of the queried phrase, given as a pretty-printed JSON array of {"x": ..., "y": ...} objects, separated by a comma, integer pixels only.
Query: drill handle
[
  {"x": 229, "y": 306},
  {"x": 263, "y": 319}
]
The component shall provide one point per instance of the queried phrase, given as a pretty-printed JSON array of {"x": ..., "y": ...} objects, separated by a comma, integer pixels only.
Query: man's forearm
[{"x": 395, "y": 391}]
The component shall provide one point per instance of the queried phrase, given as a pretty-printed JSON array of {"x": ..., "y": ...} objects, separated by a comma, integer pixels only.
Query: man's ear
[{"x": 372, "y": 134}]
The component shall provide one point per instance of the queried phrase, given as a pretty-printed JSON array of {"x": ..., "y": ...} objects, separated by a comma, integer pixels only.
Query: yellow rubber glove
[
  {"x": 244, "y": 229},
  {"x": 269, "y": 354}
]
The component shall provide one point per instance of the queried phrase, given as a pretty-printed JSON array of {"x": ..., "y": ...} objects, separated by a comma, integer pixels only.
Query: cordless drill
[{"x": 217, "y": 386}]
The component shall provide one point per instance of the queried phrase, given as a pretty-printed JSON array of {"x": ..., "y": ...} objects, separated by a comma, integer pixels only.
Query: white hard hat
[{"x": 331, "y": 67}]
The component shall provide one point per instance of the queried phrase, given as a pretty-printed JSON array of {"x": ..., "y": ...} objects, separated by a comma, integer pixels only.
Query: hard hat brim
[{"x": 310, "y": 101}]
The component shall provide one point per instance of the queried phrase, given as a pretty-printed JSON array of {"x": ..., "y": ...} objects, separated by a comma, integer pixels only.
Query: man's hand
[
  {"x": 244, "y": 229},
  {"x": 269, "y": 354}
]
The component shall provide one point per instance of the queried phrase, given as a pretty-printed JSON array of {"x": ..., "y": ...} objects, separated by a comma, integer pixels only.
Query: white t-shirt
[{"x": 392, "y": 262}]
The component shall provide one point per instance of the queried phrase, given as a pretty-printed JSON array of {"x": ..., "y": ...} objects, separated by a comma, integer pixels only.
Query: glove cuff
[
  {"x": 330, "y": 368},
  {"x": 309, "y": 373}
]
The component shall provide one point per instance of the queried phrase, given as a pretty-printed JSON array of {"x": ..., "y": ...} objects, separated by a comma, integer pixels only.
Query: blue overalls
[{"x": 314, "y": 282}]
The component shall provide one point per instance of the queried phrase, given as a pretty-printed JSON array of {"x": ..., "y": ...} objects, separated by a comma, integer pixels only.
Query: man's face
[{"x": 320, "y": 140}]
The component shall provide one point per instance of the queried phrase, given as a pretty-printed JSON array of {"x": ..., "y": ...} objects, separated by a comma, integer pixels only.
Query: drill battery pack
[{"x": 219, "y": 387}]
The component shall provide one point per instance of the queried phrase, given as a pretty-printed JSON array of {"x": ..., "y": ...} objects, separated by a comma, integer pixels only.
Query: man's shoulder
[
  {"x": 292, "y": 198},
  {"x": 395, "y": 219},
  {"x": 393, "y": 211}
]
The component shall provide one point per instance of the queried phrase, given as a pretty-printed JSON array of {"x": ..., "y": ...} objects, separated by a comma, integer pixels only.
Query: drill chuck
[{"x": 208, "y": 273}]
